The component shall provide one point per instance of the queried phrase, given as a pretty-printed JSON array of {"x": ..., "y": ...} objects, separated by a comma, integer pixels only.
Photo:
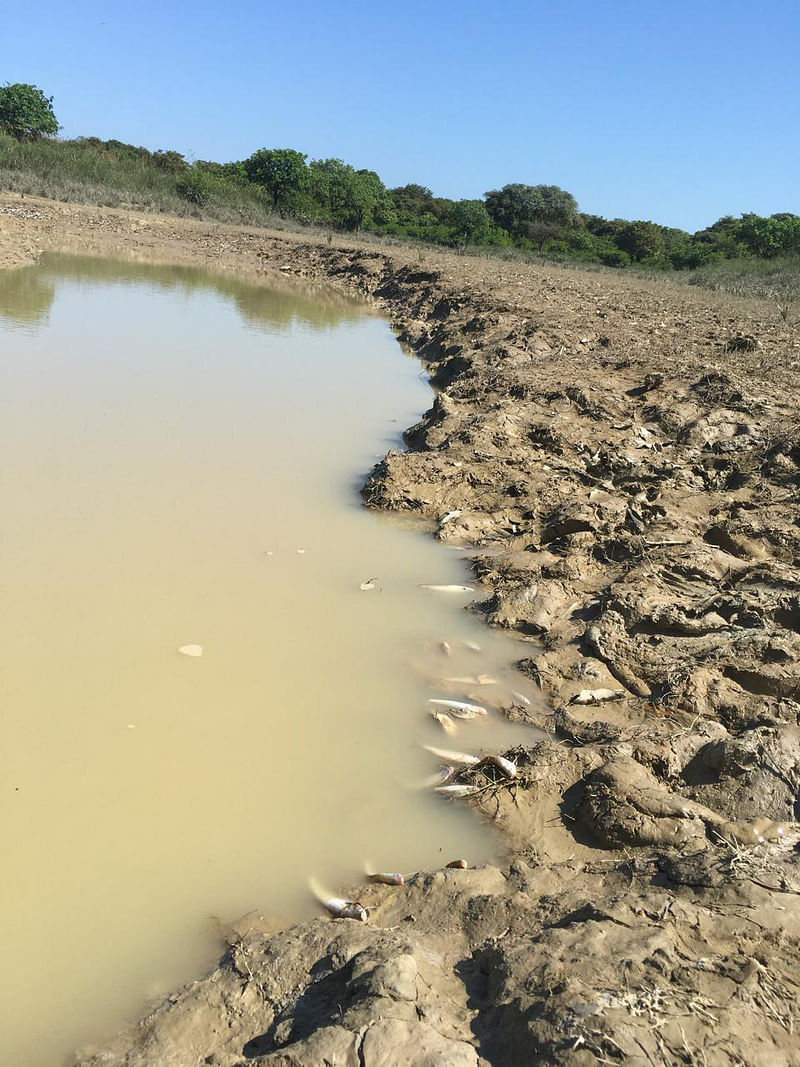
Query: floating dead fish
[
  {"x": 481, "y": 679},
  {"x": 459, "y": 865},
  {"x": 521, "y": 698},
  {"x": 338, "y": 907},
  {"x": 460, "y": 709},
  {"x": 191, "y": 650},
  {"x": 301, "y": 551},
  {"x": 449, "y": 588},
  {"x": 465, "y": 759},
  {"x": 445, "y": 647},
  {"x": 382, "y": 877},
  {"x": 450, "y": 515},
  {"x": 597, "y": 696},
  {"x": 441, "y": 777},
  {"x": 456, "y": 791},
  {"x": 444, "y": 721},
  {"x": 368, "y": 585},
  {"x": 471, "y": 646},
  {"x": 506, "y": 766},
  {"x": 468, "y": 713}
]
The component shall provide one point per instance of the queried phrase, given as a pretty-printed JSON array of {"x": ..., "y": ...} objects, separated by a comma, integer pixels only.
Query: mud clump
[{"x": 622, "y": 459}]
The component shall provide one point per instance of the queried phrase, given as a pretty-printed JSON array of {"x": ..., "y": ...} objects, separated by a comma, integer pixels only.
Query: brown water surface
[{"x": 169, "y": 443}]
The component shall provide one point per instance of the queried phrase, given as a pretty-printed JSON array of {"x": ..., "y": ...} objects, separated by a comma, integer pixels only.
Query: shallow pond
[{"x": 181, "y": 459}]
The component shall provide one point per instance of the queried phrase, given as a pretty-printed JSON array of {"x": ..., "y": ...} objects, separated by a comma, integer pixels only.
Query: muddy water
[{"x": 180, "y": 461}]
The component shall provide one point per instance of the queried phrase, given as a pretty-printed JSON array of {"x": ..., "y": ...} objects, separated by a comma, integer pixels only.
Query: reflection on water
[
  {"x": 179, "y": 462},
  {"x": 25, "y": 296},
  {"x": 272, "y": 307}
]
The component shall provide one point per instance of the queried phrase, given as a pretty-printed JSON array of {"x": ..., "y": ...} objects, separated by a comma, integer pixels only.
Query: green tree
[
  {"x": 376, "y": 207},
  {"x": 281, "y": 171},
  {"x": 412, "y": 199},
  {"x": 25, "y": 112},
  {"x": 641, "y": 240},
  {"x": 721, "y": 238},
  {"x": 470, "y": 222},
  {"x": 771, "y": 236},
  {"x": 347, "y": 198},
  {"x": 539, "y": 233},
  {"x": 515, "y": 205}
]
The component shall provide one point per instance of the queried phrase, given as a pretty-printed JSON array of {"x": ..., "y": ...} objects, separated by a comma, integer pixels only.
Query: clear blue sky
[{"x": 677, "y": 111}]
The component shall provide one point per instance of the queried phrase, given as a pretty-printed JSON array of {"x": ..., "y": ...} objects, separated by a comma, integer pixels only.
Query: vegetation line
[{"x": 750, "y": 255}]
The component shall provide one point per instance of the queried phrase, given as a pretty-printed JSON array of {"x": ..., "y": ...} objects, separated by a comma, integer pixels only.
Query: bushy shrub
[
  {"x": 614, "y": 257},
  {"x": 194, "y": 187},
  {"x": 172, "y": 162}
]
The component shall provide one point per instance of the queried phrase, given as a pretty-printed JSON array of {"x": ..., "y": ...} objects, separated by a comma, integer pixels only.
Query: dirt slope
[{"x": 626, "y": 457}]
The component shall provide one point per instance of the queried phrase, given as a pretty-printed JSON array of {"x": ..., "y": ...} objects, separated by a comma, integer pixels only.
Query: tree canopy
[
  {"x": 515, "y": 206},
  {"x": 25, "y": 112},
  {"x": 281, "y": 171},
  {"x": 470, "y": 221},
  {"x": 348, "y": 198}
]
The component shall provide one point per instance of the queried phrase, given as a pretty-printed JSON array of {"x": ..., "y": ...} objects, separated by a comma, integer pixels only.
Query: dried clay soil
[{"x": 624, "y": 456}]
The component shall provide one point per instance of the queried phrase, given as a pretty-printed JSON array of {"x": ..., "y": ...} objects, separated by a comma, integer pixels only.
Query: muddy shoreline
[{"x": 627, "y": 455}]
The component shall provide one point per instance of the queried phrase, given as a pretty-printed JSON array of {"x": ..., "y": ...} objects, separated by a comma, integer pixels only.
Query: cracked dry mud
[{"x": 625, "y": 458}]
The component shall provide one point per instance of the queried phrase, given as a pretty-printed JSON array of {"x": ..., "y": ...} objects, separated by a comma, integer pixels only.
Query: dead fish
[
  {"x": 468, "y": 713},
  {"x": 444, "y": 721},
  {"x": 456, "y": 791},
  {"x": 338, "y": 907},
  {"x": 450, "y": 515},
  {"x": 382, "y": 877},
  {"x": 459, "y": 865},
  {"x": 471, "y": 646},
  {"x": 521, "y": 698},
  {"x": 441, "y": 777},
  {"x": 464, "y": 759},
  {"x": 191, "y": 650},
  {"x": 768, "y": 830},
  {"x": 506, "y": 766},
  {"x": 740, "y": 833},
  {"x": 386, "y": 879},
  {"x": 449, "y": 588},
  {"x": 597, "y": 696},
  {"x": 481, "y": 679},
  {"x": 445, "y": 647},
  {"x": 366, "y": 586},
  {"x": 460, "y": 709}
]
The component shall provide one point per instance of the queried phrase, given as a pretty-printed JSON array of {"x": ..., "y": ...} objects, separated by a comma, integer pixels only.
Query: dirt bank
[{"x": 625, "y": 457}]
